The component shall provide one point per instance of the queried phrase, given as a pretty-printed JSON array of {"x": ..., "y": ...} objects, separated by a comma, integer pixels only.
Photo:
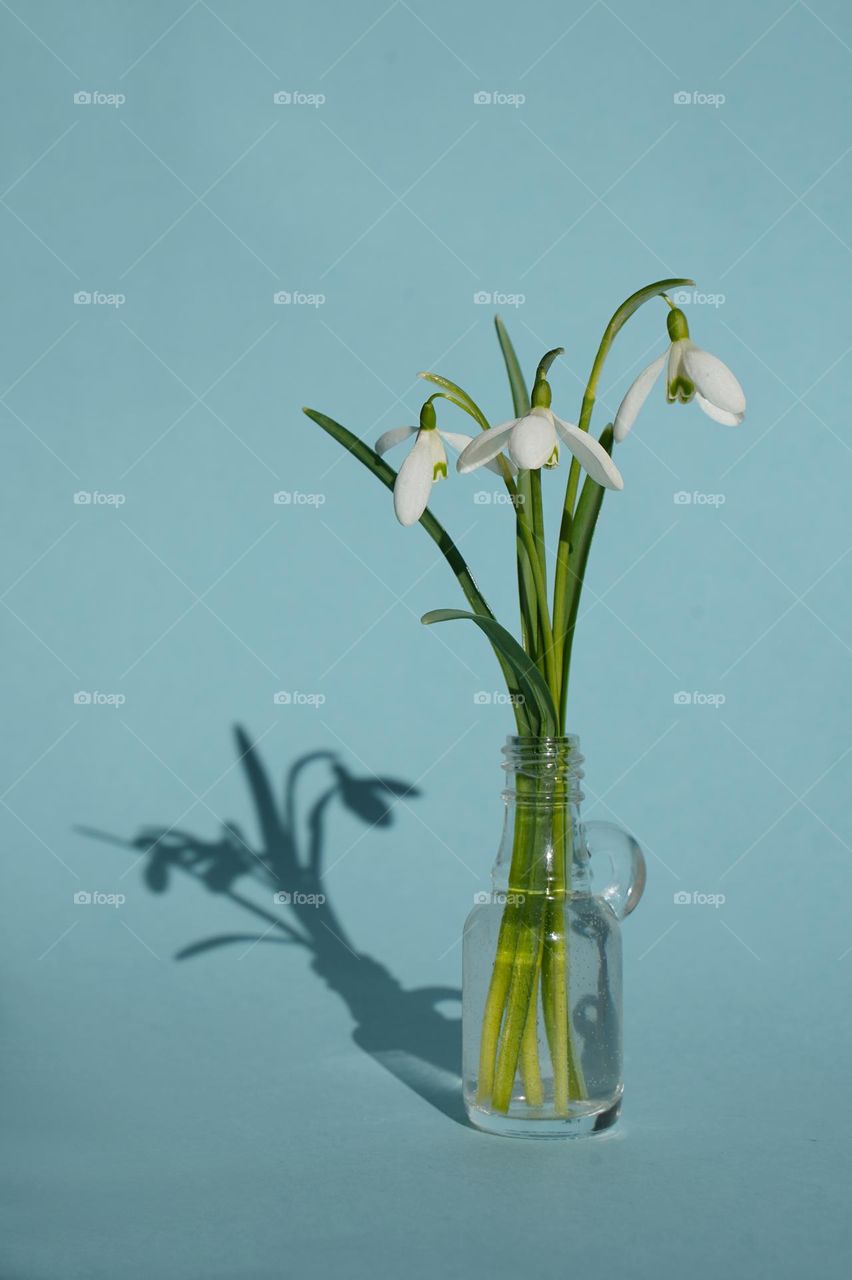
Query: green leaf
[
  {"x": 371, "y": 460},
  {"x": 520, "y": 394},
  {"x": 380, "y": 469},
  {"x": 458, "y": 397},
  {"x": 521, "y": 404},
  {"x": 538, "y": 699}
]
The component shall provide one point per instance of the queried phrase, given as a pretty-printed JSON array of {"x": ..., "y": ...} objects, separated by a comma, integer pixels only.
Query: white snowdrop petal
[
  {"x": 591, "y": 455},
  {"x": 414, "y": 481},
  {"x": 395, "y": 436},
  {"x": 714, "y": 380},
  {"x": 718, "y": 415},
  {"x": 484, "y": 447},
  {"x": 456, "y": 440},
  {"x": 636, "y": 396},
  {"x": 532, "y": 441}
]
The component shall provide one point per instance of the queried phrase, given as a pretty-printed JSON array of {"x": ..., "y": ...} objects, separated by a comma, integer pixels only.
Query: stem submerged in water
[{"x": 532, "y": 955}]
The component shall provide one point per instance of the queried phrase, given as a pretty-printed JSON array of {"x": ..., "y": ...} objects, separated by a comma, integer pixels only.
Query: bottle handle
[{"x": 617, "y": 866}]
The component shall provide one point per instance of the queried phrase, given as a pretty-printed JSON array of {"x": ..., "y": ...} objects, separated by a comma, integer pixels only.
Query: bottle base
[{"x": 583, "y": 1125}]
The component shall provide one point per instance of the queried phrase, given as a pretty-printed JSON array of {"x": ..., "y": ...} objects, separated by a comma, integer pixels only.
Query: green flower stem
[
  {"x": 521, "y": 990},
  {"x": 560, "y": 588},
  {"x": 533, "y": 949},
  {"x": 538, "y": 523},
  {"x": 530, "y": 1066},
  {"x": 501, "y": 974},
  {"x": 548, "y": 656},
  {"x": 582, "y": 530}
]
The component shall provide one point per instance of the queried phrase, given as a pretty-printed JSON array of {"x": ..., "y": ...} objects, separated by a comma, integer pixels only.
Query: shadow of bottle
[{"x": 404, "y": 1030}]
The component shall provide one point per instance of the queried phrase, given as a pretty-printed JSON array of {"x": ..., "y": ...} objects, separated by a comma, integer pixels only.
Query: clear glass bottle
[{"x": 542, "y": 1014}]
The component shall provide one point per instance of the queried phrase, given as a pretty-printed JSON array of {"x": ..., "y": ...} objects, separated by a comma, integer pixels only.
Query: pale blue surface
[{"x": 213, "y": 1117}]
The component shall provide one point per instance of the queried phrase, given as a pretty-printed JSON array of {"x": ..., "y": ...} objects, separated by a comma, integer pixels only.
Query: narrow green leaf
[
  {"x": 531, "y": 682},
  {"x": 380, "y": 469},
  {"x": 526, "y": 586},
  {"x": 520, "y": 393}
]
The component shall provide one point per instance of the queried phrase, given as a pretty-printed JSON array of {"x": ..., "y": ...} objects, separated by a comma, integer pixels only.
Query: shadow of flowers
[{"x": 404, "y": 1030}]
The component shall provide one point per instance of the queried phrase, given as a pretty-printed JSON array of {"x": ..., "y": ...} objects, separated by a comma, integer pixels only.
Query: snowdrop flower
[
  {"x": 691, "y": 373},
  {"x": 426, "y": 463},
  {"x": 533, "y": 442}
]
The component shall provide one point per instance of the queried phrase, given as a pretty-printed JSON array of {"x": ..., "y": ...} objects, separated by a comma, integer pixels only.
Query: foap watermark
[
  {"x": 284, "y": 899},
  {"x": 497, "y": 698},
  {"x": 695, "y": 298},
  {"x": 295, "y": 298},
  {"x": 482, "y": 498},
  {"x": 94, "y": 498},
  {"x": 502, "y": 899},
  {"x": 683, "y": 498},
  {"x": 97, "y": 298},
  {"x": 294, "y": 498},
  {"x": 695, "y": 98},
  {"x": 496, "y": 298},
  {"x": 694, "y": 898},
  {"x": 497, "y": 98},
  {"x": 698, "y": 699},
  {"x": 293, "y": 698},
  {"x": 97, "y": 98},
  {"x": 94, "y": 698},
  {"x": 94, "y": 898},
  {"x": 298, "y": 98}
]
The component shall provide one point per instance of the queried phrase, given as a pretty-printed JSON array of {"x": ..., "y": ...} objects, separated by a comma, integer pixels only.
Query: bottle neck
[{"x": 542, "y": 849}]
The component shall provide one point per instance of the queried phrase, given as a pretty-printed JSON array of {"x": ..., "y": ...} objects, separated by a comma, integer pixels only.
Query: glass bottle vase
[{"x": 542, "y": 1003}]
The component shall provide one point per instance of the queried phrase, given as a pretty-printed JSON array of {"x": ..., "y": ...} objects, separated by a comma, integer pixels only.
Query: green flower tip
[
  {"x": 428, "y": 418},
  {"x": 676, "y": 324},
  {"x": 541, "y": 396}
]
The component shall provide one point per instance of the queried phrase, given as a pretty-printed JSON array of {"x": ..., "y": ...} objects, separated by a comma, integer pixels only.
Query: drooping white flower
[
  {"x": 692, "y": 373},
  {"x": 425, "y": 464},
  {"x": 533, "y": 442}
]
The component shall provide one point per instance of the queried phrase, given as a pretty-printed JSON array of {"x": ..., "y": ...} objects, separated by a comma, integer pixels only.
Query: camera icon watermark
[
  {"x": 293, "y": 698},
  {"x": 85, "y": 898},
  {"x": 502, "y": 899},
  {"x": 497, "y": 698},
  {"x": 698, "y": 699},
  {"x": 683, "y": 498},
  {"x": 496, "y": 98},
  {"x": 497, "y": 298},
  {"x": 94, "y": 698},
  {"x": 482, "y": 498},
  {"x": 694, "y": 298},
  {"x": 696, "y": 899},
  {"x": 96, "y": 98},
  {"x": 293, "y": 498},
  {"x": 297, "y": 98},
  {"x": 297, "y": 298},
  {"x": 97, "y": 298},
  {"x": 94, "y": 498},
  {"x": 698, "y": 99}
]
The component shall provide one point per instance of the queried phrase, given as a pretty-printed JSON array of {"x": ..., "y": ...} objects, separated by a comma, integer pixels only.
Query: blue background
[{"x": 213, "y": 1116}]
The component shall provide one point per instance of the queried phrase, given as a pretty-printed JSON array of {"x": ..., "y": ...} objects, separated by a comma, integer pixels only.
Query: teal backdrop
[{"x": 213, "y": 214}]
